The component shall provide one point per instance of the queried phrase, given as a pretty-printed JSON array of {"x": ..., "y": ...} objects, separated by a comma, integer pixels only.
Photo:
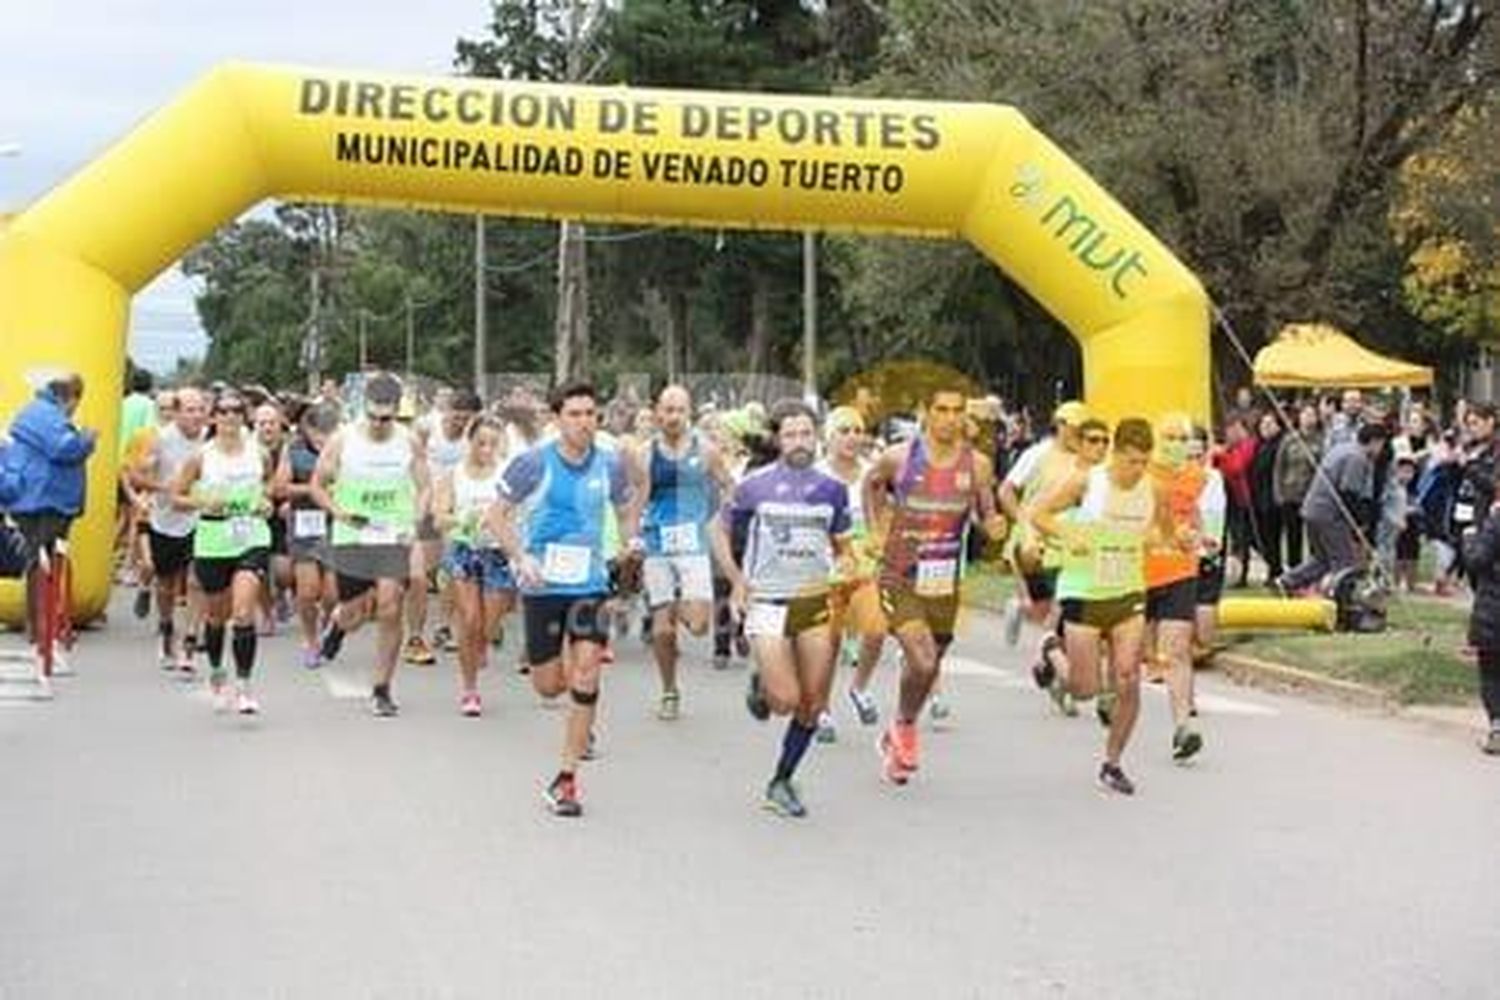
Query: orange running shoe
[
  {"x": 905, "y": 736},
  {"x": 890, "y": 767}
]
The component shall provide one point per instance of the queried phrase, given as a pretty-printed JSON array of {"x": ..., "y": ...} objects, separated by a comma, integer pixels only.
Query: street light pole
[
  {"x": 479, "y": 303},
  {"x": 809, "y": 315}
]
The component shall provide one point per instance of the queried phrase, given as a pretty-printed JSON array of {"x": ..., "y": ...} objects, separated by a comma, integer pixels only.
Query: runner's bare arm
[
  {"x": 991, "y": 520},
  {"x": 718, "y": 472},
  {"x": 325, "y": 474},
  {"x": 442, "y": 504},
  {"x": 876, "y": 497},
  {"x": 182, "y": 488},
  {"x": 718, "y": 537},
  {"x": 421, "y": 476},
  {"x": 1045, "y": 517}
]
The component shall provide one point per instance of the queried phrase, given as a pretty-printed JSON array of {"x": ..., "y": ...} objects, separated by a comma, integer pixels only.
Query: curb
[{"x": 1278, "y": 677}]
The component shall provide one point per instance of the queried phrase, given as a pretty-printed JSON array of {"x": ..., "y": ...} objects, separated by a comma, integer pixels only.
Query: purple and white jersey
[{"x": 788, "y": 518}]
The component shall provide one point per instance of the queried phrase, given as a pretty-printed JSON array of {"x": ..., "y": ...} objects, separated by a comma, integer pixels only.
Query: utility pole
[
  {"x": 809, "y": 315},
  {"x": 411, "y": 337},
  {"x": 571, "y": 352},
  {"x": 479, "y": 303},
  {"x": 364, "y": 342},
  {"x": 312, "y": 345}
]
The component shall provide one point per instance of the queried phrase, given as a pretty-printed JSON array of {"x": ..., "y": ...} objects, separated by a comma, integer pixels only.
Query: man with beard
[{"x": 795, "y": 520}]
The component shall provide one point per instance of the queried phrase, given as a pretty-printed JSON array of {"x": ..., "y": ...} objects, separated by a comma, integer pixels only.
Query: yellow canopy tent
[{"x": 1314, "y": 355}]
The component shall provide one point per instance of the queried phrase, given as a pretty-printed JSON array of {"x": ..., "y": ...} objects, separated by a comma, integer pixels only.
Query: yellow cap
[{"x": 1071, "y": 413}]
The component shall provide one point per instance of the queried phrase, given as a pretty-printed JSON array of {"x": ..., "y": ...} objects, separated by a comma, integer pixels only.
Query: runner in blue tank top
[
  {"x": 686, "y": 477},
  {"x": 796, "y": 521},
  {"x": 550, "y": 522}
]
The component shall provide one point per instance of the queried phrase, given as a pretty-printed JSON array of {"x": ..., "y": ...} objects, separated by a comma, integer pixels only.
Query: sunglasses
[
  {"x": 380, "y": 418},
  {"x": 1096, "y": 439},
  {"x": 846, "y": 429},
  {"x": 225, "y": 411}
]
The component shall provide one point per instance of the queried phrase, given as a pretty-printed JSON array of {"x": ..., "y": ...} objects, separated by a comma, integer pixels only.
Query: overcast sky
[{"x": 77, "y": 75}]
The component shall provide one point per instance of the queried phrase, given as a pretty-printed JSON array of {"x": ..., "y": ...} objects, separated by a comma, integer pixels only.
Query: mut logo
[{"x": 1067, "y": 220}]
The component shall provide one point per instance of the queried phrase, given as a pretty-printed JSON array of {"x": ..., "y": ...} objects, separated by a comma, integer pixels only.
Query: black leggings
[{"x": 1489, "y": 682}]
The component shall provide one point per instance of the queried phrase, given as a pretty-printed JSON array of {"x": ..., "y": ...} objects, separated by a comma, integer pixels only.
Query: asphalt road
[{"x": 150, "y": 848}]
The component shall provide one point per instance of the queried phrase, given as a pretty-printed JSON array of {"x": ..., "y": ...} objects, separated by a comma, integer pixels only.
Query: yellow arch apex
[{"x": 245, "y": 132}]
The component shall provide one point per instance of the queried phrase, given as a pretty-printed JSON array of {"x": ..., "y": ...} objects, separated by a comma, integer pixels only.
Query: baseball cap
[{"x": 1071, "y": 413}]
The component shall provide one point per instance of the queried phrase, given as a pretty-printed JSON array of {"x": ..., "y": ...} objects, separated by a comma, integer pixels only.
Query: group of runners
[{"x": 823, "y": 548}]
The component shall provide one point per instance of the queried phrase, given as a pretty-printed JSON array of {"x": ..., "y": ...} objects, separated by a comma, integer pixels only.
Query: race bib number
[
  {"x": 679, "y": 539},
  {"x": 936, "y": 577},
  {"x": 242, "y": 530},
  {"x": 567, "y": 565},
  {"x": 379, "y": 533},
  {"x": 1116, "y": 566},
  {"x": 1463, "y": 513},
  {"x": 766, "y": 619},
  {"x": 308, "y": 524}
]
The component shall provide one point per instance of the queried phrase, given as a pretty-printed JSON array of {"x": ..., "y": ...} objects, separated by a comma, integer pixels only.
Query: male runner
[
  {"x": 919, "y": 497},
  {"x": 686, "y": 476},
  {"x": 170, "y": 531},
  {"x": 1112, "y": 514},
  {"x": 550, "y": 521},
  {"x": 1079, "y": 442},
  {"x": 372, "y": 479},
  {"x": 794, "y": 520},
  {"x": 443, "y": 434},
  {"x": 1172, "y": 573}
]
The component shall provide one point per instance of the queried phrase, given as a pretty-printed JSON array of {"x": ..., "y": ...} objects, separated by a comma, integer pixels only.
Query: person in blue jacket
[{"x": 44, "y": 470}]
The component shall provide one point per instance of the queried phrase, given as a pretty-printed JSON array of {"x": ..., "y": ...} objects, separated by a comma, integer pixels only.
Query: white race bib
[
  {"x": 567, "y": 565},
  {"x": 1116, "y": 567},
  {"x": 679, "y": 539},
  {"x": 241, "y": 530},
  {"x": 1463, "y": 513},
  {"x": 309, "y": 524},
  {"x": 936, "y": 577},
  {"x": 766, "y": 619}
]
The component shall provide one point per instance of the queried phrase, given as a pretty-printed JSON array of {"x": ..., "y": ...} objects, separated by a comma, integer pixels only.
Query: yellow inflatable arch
[{"x": 69, "y": 263}]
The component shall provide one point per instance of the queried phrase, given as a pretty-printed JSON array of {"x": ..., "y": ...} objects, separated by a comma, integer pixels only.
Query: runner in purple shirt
[{"x": 796, "y": 523}]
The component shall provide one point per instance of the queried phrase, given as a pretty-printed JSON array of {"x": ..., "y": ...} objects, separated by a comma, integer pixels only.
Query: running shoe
[
  {"x": 890, "y": 764},
  {"x": 184, "y": 667},
  {"x": 382, "y": 706},
  {"x": 1185, "y": 743},
  {"x": 939, "y": 710},
  {"x": 1491, "y": 745},
  {"x": 591, "y": 750},
  {"x": 781, "y": 798},
  {"x": 562, "y": 797},
  {"x": 671, "y": 706},
  {"x": 755, "y": 699},
  {"x": 331, "y": 643},
  {"x": 166, "y": 661},
  {"x": 1104, "y": 708},
  {"x": 1112, "y": 778},
  {"x": 1012, "y": 622},
  {"x": 418, "y": 653},
  {"x": 444, "y": 639},
  {"x": 721, "y": 661},
  {"x": 142, "y": 605},
  {"x": 864, "y": 706},
  {"x": 1062, "y": 698},
  {"x": 1043, "y": 673},
  {"x": 471, "y": 705},
  {"x": 312, "y": 659},
  {"x": 827, "y": 732},
  {"x": 283, "y": 608},
  {"x": 741, "y": 645},
  {"x": 245, "y": 703},
  {"x": 218, "y": 690}
]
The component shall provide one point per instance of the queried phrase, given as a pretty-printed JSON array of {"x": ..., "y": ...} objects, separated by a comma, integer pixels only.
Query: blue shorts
[{"x": 487, "y": 567}]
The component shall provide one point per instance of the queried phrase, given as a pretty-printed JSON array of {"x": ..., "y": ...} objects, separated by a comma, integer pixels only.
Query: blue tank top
[
  {"x": 562, "y": 511},
  {"x": 680, "y": 504}
]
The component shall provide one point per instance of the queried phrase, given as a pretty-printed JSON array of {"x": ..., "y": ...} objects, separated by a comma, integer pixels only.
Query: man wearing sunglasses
[
  {"x": 919, "y": 499},
  {"x": 372, "y": 479},
  {"x": 1077, "y": 442}
]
